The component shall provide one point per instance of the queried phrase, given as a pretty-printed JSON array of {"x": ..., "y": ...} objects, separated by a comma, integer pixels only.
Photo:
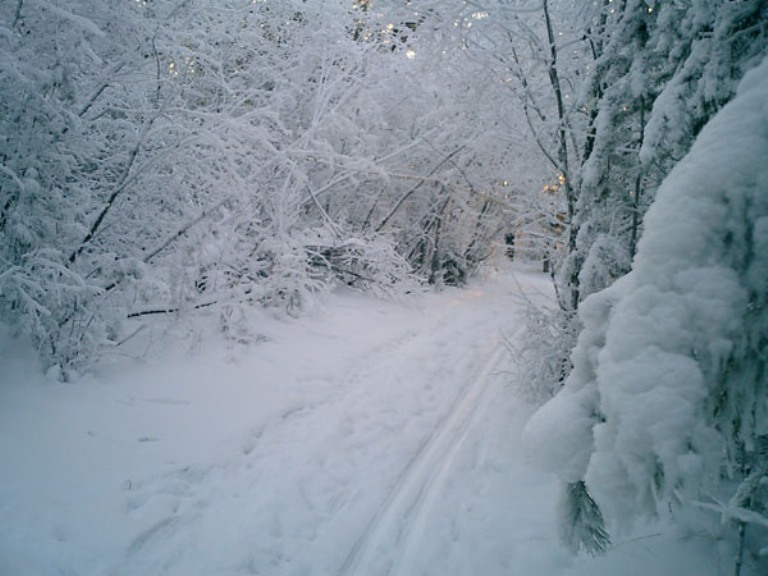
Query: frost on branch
[{"x": 582, "y": 526}]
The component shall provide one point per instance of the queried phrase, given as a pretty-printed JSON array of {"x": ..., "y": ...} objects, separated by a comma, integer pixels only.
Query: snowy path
[
  {"x": 389, "y": 544},
  {"x": 352, "y": 481},
  {"x": 372, "y": 438}
]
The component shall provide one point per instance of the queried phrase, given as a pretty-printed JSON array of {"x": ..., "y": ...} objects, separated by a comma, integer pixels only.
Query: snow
[
  {"x": 565, "y": 452},
  {"x": 368, "y": 437}
]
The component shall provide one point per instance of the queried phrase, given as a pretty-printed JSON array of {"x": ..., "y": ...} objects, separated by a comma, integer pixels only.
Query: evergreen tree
[{"x": 666, "y": 405}]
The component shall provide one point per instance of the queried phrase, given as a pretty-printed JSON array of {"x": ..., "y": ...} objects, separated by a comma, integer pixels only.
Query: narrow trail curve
[{"x": 381, "y": 546}]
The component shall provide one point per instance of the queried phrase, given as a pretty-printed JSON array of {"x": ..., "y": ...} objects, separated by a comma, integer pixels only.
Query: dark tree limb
[{"x": 408, "y": 194}]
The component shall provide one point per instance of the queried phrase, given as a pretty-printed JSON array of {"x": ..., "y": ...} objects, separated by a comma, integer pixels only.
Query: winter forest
[{"x": 233, "y": 164}]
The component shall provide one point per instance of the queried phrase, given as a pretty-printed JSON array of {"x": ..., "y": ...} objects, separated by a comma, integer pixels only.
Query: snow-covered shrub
[
  {"x": 543, "y": 357},
  {"x": 368, "y": 263},
  {"x": 667, "y": 404},
  {"x": 166, "y": 158},
  {"x": 60, "y": 164},
  {"x": 159, "y": 159}
]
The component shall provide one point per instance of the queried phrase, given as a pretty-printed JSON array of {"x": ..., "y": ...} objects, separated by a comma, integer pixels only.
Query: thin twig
[
  {"x": 415, "y": 188},
  {"x": 122, "y": 185}
]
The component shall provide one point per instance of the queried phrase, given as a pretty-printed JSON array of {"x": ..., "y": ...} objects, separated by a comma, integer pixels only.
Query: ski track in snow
[{"x": 386, "y": 545}]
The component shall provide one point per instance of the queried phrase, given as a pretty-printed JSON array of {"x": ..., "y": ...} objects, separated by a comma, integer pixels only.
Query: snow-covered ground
[{"x": 368, "y": 438}]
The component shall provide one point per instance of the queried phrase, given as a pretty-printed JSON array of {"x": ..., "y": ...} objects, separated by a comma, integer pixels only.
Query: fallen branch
[{"x": 156, "y": 311}]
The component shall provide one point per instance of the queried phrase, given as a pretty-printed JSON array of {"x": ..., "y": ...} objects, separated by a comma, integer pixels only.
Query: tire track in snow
[{"x": 379, "y": 549}]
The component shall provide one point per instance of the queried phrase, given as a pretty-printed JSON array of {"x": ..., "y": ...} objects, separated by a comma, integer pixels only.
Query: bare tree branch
[{"x": 407, "y": 195}]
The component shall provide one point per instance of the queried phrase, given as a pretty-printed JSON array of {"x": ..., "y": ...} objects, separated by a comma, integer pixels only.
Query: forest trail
[
  {"x": 370, "y": 438},
  {"x": 395, "y": 467}
]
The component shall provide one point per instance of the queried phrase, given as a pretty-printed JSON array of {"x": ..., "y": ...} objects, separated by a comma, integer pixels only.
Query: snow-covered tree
[
  {"x": 667, "y": 403},
  {"x": 614, "y": 93},
  {"x": 660, "y": 72}
]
